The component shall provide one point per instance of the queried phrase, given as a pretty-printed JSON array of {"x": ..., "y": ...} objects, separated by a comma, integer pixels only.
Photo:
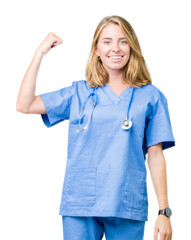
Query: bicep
[{"x": 37, "y": 106}]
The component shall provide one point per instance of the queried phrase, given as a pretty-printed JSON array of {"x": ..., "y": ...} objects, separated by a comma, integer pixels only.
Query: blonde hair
[{"x": 135, "y": 71}]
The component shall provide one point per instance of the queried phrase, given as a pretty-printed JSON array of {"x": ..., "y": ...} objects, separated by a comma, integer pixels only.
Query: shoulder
[
  {"x": 153, "y": 93},
  {"x": 82, "y": 85},
  {"x": 81, "y": 88},
  {"x": 78, "y": 82}
]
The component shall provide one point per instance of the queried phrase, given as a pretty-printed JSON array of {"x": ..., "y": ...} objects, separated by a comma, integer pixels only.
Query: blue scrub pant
[{"x": 93, "y": 228}]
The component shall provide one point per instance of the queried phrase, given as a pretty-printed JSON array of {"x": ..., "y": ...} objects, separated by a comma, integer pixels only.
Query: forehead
[{"x": 111, "y": 30}]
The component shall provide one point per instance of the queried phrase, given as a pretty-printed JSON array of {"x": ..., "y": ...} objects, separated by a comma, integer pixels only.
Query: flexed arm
[{"x": 27, "y": 102}]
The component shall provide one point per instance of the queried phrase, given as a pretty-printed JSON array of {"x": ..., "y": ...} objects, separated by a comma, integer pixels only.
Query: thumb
[{"x": 56, "y": 43}]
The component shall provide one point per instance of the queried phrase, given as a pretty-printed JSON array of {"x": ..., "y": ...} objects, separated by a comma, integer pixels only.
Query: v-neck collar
[{"x": 116, "y": 99}]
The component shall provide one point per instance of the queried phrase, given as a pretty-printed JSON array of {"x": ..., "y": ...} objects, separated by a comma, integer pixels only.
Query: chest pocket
[{"x": 137, "y": 114}]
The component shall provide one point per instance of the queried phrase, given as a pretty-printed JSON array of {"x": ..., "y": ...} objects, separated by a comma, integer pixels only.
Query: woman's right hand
[{"x": 49, "y": 42}]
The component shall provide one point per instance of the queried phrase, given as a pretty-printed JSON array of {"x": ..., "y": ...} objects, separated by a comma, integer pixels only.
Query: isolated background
[{"x": 33, "y": 157}]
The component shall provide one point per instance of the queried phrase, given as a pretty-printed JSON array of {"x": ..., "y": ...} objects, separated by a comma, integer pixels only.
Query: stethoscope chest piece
[{"x": 126, "y": 124}]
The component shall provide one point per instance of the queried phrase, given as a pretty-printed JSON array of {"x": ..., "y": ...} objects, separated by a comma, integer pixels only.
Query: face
[{"x": 112, "y": 48}]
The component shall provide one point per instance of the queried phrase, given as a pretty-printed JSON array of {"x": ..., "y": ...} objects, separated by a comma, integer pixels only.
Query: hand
[
  {"x": 163, "y": 226},
  {"x": 49, "y": 42}
]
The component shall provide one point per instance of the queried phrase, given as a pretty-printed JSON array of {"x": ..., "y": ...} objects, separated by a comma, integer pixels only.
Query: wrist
[
  {"x": 163, "y": 202},
  {"x": 38, "y": 54},
  {"x": 166, "y": 211},
  {"x": 163, "y": 206}
]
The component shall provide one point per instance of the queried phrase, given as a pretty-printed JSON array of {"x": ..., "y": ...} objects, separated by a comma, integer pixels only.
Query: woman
[{"x": 116, "y": 116}]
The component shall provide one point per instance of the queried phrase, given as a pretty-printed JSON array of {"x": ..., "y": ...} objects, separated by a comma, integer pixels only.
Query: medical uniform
[{"x": 105, "y": 173}]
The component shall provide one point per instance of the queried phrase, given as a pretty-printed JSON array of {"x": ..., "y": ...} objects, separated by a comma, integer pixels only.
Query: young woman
[{"x": 116, "y": 116}]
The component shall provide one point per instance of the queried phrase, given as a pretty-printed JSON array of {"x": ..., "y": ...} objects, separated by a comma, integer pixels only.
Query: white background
[{"x": 33, "y": 157}]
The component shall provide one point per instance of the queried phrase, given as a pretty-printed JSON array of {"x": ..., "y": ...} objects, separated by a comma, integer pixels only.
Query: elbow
[{"x": 20, "y": 109}]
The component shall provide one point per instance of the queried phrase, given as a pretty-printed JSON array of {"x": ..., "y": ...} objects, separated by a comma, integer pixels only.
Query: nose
[{"x": 115, "y": 47}]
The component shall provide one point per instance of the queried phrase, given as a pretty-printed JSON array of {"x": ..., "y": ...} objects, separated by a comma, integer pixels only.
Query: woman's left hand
[{"x": 163, "y": 226}]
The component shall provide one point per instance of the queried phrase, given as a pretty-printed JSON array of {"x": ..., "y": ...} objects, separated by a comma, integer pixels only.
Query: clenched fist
[{"x": 49, "y": 42}]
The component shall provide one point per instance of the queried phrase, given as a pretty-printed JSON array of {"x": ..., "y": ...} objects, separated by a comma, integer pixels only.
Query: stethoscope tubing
[{"x": 125, "y": 124}]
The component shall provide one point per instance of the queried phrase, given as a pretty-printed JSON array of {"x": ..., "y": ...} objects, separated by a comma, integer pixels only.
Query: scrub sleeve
[
  {"x": 57, "y": 104},
  {"x": 158, "y": 128}
]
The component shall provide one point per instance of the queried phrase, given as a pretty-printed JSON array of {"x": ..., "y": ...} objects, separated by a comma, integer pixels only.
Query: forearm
[
  {"x": 28, "y": 86},
  {"x": 157, "y": 167}
]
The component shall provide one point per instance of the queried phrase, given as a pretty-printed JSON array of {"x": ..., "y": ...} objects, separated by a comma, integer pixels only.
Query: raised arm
[{"x": 27, "y": 102}]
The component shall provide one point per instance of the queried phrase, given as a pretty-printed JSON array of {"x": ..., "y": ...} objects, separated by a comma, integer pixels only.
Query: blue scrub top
[{"x": 105, "y": 172}]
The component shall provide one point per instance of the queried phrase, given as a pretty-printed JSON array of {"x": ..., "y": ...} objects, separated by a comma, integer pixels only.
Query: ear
[{"x": 97, "y": 52}]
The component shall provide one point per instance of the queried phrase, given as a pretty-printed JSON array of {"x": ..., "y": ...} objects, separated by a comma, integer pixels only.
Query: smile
[{"x": 115, "y": 57}]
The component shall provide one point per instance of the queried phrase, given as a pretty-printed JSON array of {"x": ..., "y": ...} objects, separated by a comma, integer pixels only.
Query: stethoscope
[{"x": 125, "y": 124}]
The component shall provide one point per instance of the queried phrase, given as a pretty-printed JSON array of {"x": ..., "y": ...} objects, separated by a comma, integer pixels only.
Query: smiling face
[{"x": 112, "y": 48}]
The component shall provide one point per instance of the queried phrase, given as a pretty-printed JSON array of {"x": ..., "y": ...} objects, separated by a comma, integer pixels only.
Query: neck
[{"x": 116, "y": 77}]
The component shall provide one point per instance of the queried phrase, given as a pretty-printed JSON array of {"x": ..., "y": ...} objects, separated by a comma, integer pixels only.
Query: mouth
[{"x": 115, "y": 56}]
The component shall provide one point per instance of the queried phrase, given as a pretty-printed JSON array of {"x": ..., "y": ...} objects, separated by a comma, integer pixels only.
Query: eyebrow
[{"x": 111, "y": 38}]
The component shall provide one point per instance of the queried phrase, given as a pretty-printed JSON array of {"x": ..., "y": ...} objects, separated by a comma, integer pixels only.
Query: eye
[
  {"x": 107, "y": 42},
  {"x": 123, "y": 42}
]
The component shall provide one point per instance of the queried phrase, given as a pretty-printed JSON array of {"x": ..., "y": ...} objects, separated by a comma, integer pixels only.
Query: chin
[{"x": 119, "y": 67}]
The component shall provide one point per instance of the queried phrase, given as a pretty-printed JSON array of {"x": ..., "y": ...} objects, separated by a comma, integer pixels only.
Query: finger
[
  {"x": 168, "y": 236},
  {"x": 162, "y": 236},
  {"x": 49, "y": 42},
  {"x": 55, "y": 38},
  {"x": 156, "y": 234},
  {"x": 56, "y": 43}
]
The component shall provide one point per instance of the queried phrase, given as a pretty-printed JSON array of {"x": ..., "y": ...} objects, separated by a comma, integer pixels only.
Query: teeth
[{"x": 116, "y": 57}]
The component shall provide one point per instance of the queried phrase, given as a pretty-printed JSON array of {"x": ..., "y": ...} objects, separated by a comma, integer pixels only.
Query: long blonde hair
[{"x": 135, "y": 72}]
